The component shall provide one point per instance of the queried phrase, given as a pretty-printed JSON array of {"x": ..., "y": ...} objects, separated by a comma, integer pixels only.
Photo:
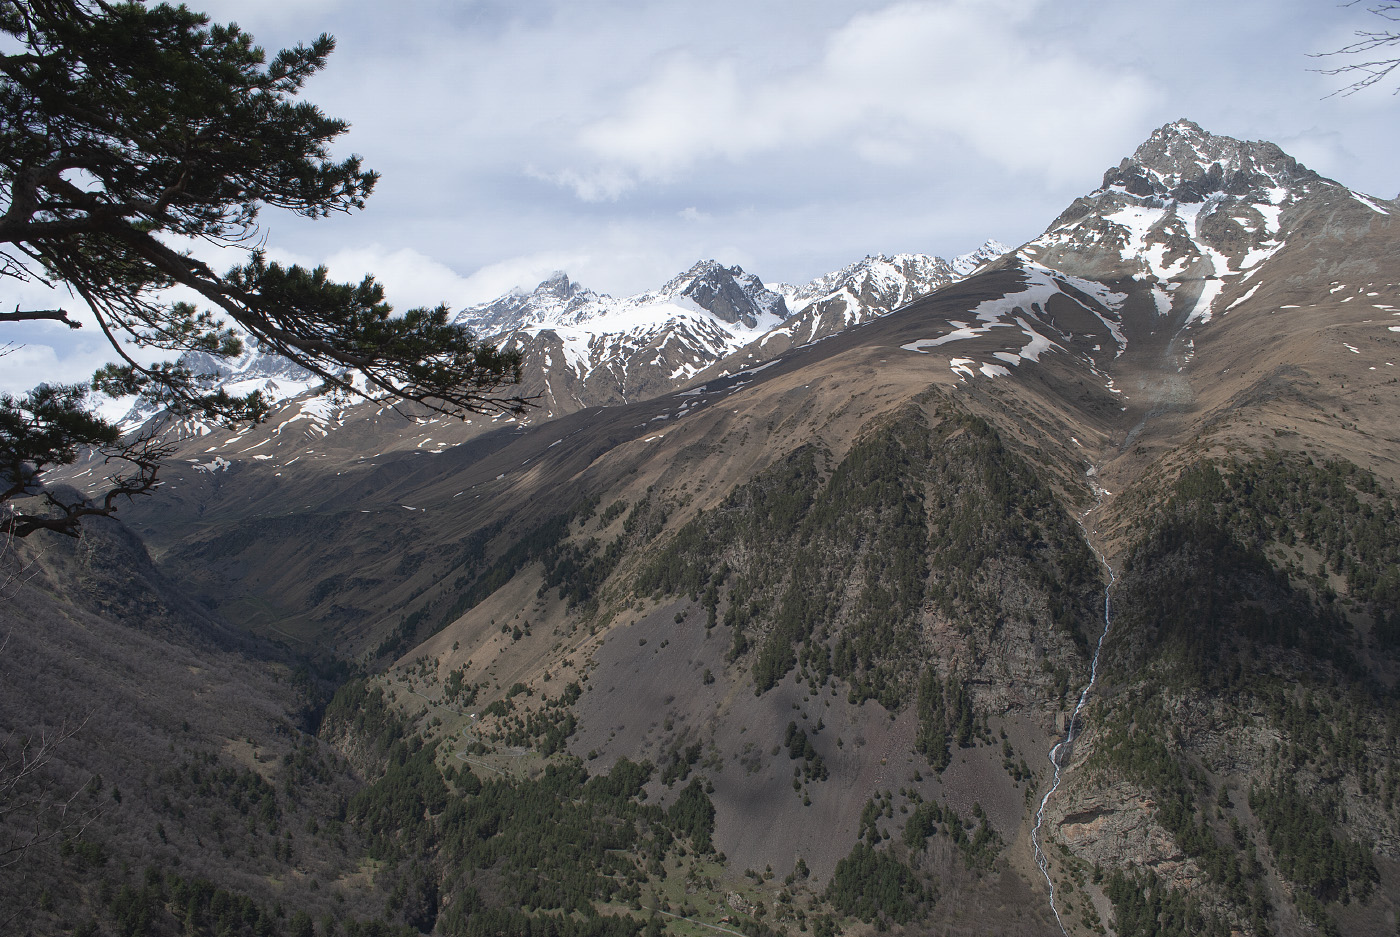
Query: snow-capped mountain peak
[
  {"x": 869, "y": 288},
  {"x": 1187, "y": 204},
  {"x": 277, "y": 378},
  {"x": 1187, "y": 226},
  {"x": 557, "y": 299},
  {"x": 728, "y": 293},
  {"x": 991, "y": 249},
  {"x": 636, "y": 345},
  {"x": 1180, "y": 161},
  {"x": 584, "y": 348}
]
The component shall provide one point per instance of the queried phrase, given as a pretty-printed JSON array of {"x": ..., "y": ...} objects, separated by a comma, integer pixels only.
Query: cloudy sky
[{"x": 622, "y": 140}]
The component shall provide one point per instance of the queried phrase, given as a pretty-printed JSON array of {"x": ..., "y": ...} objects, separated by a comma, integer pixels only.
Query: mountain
[
  {"x": 582, "y": 348},
  {"x": 585, "y": 349},
  {"x": 277, "y": 378},
  {"x": 1063, "y": 599},
  {"x": 872, "y": 287},
  {"x": 1187, "y": 210}
]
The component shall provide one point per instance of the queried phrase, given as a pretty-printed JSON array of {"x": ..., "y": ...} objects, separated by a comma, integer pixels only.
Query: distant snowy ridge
[
  {"x": 873, "y": 287},
  {"x": 276, "y": 377},
  {"x": 725, "y": 293},
  {"x": 583, "y": 348}
]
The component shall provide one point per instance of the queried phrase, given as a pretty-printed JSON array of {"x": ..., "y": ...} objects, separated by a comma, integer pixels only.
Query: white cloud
[
  {"x": 890, "y": 86},
  {"x": 545, "y": 128},
  {"x": 410, "y": 279},
  {"x": 499, "y": 278},
  {"x": 28, "y": 365},
  {"x": 633, "y": 267},
  {"x": 596, "y": 185},
  {"x": 413, "y": 279}
]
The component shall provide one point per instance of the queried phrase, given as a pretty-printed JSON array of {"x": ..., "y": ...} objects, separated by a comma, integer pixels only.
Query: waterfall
[{"x": 1063, "y": 750}]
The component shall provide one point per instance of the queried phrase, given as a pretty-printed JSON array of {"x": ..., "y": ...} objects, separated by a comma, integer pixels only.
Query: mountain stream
[{"x": 1063, "y": 750}]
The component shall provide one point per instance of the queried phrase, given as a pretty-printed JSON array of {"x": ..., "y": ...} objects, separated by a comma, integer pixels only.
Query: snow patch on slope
[
  {"x": 1369, "y": 203},
  {"x": 1015, "y": 310}
]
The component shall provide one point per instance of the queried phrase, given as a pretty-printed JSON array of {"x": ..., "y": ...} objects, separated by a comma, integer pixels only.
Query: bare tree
[
  {"x": 34, "y": 811},
  {"x": 15, "y": 567},
  {"x": 50, "y": 816},
  {"x": 1373, "y": 46}
]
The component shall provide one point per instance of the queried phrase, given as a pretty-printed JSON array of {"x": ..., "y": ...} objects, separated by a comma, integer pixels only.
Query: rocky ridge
[
  {"x": 1189, "y": 211},
  {"x": 586, "y": 349},
  {"x": 582, "y": 348}
]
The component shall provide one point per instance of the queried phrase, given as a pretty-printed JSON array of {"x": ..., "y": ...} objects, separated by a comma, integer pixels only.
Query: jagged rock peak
[
  {"x": 728, "y": 293},
  {"x": 559, "y": 285},
  {"x": 1189, "y": 208},
  {"x": 277, "y": 378},
  {"x": 252, "y": 364},
  {"x": 555, "y": 299},
  {"x": 554, "y": 291},
  {"x": 1181, "y": 161}
]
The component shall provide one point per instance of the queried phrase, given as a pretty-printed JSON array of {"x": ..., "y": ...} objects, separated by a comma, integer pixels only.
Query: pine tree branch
[
  {"x": 145, "y": 454},
  {"x": 27, "y": 315}
]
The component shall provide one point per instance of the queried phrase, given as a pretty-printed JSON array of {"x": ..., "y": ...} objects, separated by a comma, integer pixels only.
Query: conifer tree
[{"x": 129, "y": 130}]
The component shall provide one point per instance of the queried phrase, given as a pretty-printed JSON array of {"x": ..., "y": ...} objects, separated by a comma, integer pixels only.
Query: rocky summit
[{"x": 1051, "y": 590}]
